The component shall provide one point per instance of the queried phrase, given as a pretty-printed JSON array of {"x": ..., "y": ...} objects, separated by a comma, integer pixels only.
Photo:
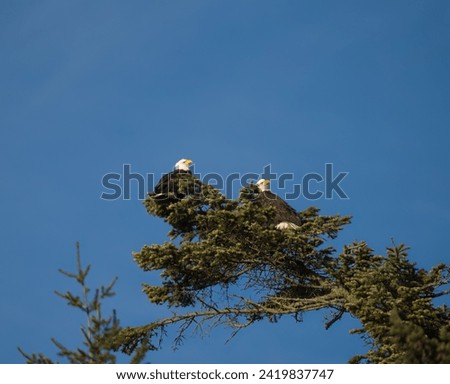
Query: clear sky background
[{"x": 87, "y": 86}]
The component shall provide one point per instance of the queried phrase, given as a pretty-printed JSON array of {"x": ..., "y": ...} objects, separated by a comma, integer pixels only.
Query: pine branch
[{"x": 100, "y": 334}]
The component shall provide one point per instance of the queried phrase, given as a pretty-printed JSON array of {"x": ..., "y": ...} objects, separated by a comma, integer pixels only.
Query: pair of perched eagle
[{"x": 285, "y": 216}]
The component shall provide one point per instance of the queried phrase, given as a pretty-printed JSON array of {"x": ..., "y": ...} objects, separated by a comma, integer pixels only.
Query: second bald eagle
[{"x": 285, "y": 216}]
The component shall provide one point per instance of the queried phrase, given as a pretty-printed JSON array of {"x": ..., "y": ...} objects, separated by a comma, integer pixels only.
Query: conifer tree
[
  {"x": 393, "y": 299},
  {"x": 99, "y": 334},
  {"x": 226, "y": 264}
]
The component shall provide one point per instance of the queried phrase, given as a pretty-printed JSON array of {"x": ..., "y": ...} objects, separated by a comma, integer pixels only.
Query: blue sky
[{"x": 234, "y": 85}]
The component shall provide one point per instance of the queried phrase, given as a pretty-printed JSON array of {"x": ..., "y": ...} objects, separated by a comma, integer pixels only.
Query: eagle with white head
[
  {"x": 168, "y": 185},
  {"x": 285, "y": 216}
]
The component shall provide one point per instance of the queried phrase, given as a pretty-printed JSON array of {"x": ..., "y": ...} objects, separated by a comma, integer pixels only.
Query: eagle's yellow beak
[{"x": 188, "y": 162}]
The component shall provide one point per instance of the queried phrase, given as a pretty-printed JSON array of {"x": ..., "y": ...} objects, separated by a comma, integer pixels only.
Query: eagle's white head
[
  {"x": 183, "y": 164},
  {"x": 263, "y": 185}
]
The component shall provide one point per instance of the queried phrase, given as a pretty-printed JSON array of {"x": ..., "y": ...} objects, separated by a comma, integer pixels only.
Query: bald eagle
[
  {"x": 168, "y": 185},
  {"x": 285, "y": 216}
]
